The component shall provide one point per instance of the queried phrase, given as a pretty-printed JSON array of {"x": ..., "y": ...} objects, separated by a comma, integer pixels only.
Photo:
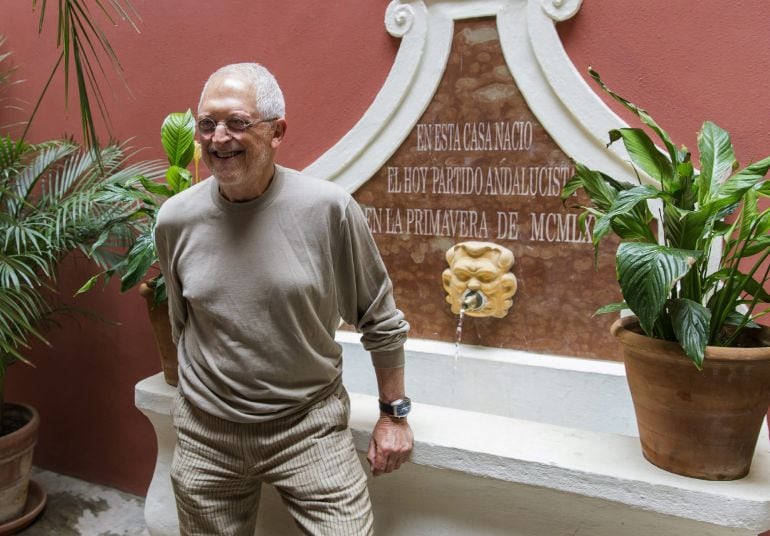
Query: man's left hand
[{"x": 390, "y": 445}]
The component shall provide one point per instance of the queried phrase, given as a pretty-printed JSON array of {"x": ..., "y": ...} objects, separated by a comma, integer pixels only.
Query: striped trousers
[{"x": 219, "y": 467}]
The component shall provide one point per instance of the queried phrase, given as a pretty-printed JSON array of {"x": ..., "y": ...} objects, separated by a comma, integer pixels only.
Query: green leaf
[
  {"x": 140, "y": 259},
  {"x": 624, "y": 218},
  {"x": 159, "y": 295},
  {"x": 88, "y": 284},
  {"x": 759, "y": 245},
  {"x": 611, "y": 308},
  {"x": 174, "y": 177},
  {"x": 178, "y": 137},
  {"x": 731, "y": 191},
  {"x": 647, "y": 273},
  {"x": 646, "y": 156},
  {"x": 749, "y": 215},
  {"x": 684, "y": 228},
  {"x": 630, "y": 227},
  {"x": 737, "y": 319},
  {"x": 571, "y": 186},
  {"x": 628, "y": 200},
  {"x": 156, "y": 188},
  {"x": 600, "y": 191},
  {"x": 717, "y": 158},
  {"x": 754, "y": 288},
  {"x": 690, "y": 321},
  {"x": 729, "y": 194},
  {"x": 642, "y": 115}
]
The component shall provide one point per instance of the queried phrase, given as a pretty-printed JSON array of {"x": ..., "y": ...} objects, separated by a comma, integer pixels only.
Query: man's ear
[{"x": 278, "y": 132}]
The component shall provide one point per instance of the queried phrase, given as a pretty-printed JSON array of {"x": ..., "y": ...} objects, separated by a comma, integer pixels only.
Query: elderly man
[{"x": 261, "y": 262}]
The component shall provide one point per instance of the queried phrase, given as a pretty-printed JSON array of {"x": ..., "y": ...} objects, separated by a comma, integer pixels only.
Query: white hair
[{"x": 270, "y": 103}]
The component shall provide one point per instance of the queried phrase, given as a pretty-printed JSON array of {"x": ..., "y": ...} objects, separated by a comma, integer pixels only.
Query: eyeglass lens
[{"x": 232, "y": 124}]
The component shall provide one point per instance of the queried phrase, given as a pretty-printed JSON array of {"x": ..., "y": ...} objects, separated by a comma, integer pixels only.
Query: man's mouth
[{"x": 225, "y": 154}]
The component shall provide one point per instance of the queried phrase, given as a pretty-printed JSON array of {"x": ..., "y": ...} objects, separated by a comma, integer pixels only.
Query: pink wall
[{"x": 683, "y": 64}]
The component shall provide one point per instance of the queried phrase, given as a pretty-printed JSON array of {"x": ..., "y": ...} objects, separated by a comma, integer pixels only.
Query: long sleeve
[
  {"x": 176, "y": 304},
  {"x": 365, "y": 292}
]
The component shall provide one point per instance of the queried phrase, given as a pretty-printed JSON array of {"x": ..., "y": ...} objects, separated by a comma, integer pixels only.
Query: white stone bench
[{"x": 478, "y": 473}]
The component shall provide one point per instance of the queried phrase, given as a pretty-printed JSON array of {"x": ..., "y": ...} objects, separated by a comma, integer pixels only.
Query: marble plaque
[{"x": 479, "y": 166}]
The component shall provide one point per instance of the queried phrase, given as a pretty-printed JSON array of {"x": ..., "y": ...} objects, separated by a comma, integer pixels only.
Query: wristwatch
[{"x": 398, "y": 408}]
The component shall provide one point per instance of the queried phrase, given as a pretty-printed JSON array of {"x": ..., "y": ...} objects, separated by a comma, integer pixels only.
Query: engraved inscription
[{"x": 478, "y": 166}]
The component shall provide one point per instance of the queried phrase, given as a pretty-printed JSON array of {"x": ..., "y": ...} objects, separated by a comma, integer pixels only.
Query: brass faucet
[{"x": 477, "y": 281}]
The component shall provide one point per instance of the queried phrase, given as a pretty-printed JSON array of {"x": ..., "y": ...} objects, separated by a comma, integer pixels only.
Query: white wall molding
[{"x": 575, "y": 117}]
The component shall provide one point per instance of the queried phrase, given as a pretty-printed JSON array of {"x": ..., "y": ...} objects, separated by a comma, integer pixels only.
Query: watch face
[{"x": 402, "y": 408}]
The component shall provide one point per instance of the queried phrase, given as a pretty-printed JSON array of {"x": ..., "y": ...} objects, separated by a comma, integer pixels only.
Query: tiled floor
[{"x": 77, "y": 508}]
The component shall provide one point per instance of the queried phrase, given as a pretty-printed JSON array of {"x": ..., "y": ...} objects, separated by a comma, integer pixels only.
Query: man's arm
[
  {"x": 392, "y": 439},
  {"x": 176, "y": 304}
]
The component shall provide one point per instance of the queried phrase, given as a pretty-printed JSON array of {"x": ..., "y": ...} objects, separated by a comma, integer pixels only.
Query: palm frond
[
  {"x": 56, "y": 199},
  {"x": 83, "y": 44}
]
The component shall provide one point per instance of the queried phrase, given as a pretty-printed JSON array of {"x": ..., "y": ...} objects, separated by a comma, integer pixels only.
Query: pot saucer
[{"x": 36, "y": 499}]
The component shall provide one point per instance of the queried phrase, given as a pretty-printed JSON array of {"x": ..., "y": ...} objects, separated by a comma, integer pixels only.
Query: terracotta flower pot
[
  {"x": 702, "y": 424},
  {"x": 161, "y": 327},
  {"x": 16, "y": 458}
]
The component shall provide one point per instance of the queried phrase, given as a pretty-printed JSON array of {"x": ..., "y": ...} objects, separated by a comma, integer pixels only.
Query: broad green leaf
[
  {"x": 754, "y": 288},
  {"x": 599, "y": 191},
  {"x": 140, "y": 258},
  {"x": 736, "y": 319},
  {"x": 611, "y": 308},
  {"x": 88, "y": 284},
  {"x": 717, "y": 158},
  {"x": 571, "y": 186},
  {"x": 623, "y": 218},
  {"x": 645, "y": 155},
  {"x": 690, "y": 321},
  {"x": 185, "y": 180},
  {"x": 160, "y": 295},
  {"x": 177, "y": 135},
  {"x": 685, "y": 169},
  {"x": 759, "y": 245},
  {"x": 156, "y": 188},
  {"x": 647, "y": 273},
  {"x": 730, "y": 192},
  {"x": 763, "y": 222},
  {"x": 629, "y": 227},
  {"x": 627, "y": 200},
  {"x": 642, "y": 115},
  {"x": 749, "y": 215},
  {"x": 683, "y": 228},
  {"x": 757, "y": 168},
  {"x": 174, "y": 178}
]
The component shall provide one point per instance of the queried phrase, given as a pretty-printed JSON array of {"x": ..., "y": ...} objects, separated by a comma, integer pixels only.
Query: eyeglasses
[{"x": 233, "y": 125}]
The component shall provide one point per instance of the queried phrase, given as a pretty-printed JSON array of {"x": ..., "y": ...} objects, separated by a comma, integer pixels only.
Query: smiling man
[{"x": 261, "y": 262}]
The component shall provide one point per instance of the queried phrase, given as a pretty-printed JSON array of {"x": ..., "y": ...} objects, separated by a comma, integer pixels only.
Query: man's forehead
[
  {"x": 231, "y": 81},
  {"x": 229, "y": 88}
]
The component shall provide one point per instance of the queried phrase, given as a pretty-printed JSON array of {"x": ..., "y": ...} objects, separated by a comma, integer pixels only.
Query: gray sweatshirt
[{"x": 257, "y": 289}]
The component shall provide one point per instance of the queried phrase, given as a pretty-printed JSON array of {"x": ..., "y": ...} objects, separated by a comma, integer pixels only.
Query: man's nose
[
  {"x": 474, "y": 284},
  {"x": 221, "y": 134}
]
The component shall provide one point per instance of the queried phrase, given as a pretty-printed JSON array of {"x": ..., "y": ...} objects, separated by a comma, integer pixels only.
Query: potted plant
[
  {"x": 692, "y": 269},
  {"x": 139, "y": 264},
  {"x": 53, "y": 201}
]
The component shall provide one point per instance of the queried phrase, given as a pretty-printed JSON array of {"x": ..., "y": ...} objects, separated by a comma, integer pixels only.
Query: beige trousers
[{"x": 219, "y": 466}]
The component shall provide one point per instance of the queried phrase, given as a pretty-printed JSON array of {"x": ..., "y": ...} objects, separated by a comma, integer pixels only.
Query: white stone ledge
[
  {"x": 603, "y": 466},
  {"x": 592, "y": 464}
]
